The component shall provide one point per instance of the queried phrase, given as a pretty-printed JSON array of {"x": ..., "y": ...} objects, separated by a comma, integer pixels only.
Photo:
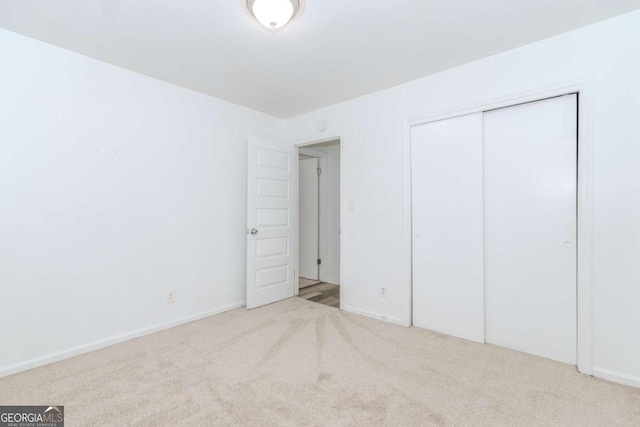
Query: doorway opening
[{"x": 319, "y": 222}]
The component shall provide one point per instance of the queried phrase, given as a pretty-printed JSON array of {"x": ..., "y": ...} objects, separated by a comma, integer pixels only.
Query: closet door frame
[{"x": 584, "y": 192}]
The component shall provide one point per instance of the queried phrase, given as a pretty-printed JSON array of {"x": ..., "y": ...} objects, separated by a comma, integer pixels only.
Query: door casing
[{"x": 304, "y": 147}]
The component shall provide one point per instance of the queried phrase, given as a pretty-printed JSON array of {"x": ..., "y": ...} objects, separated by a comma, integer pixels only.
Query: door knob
[
  {"x": 568, "y": 244},
  {"x": 254, "y": 231}
]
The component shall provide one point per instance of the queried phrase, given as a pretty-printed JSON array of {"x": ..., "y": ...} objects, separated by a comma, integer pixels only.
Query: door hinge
[
  {"x": 319, "y": 171},
  {"x": 319, "y": 261}
]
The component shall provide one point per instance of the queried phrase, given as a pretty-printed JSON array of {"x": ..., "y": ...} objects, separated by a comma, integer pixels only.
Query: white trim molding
[
  {"x": 584, "y": 208},
  {"x": 616, "y": 377},
  {"x": 394, "y": 320},
  {"x": 97, "y": 345}
]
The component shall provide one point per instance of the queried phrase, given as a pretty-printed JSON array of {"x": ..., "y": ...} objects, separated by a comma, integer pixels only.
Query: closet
[{"x": 494, "y": 227}]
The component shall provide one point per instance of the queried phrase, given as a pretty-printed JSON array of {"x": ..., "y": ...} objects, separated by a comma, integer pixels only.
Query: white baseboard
[
  {"x": 394, "y": 320},
  {"x": 97, "y": 345},
  {"x": 616, "y": 377}
]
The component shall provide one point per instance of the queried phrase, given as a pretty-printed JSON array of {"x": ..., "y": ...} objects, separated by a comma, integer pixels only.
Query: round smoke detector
[{"x": 322, "y": 125}]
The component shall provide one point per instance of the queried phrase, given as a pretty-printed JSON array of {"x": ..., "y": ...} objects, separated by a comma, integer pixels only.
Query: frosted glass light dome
[{"x": 274, "y": 14}]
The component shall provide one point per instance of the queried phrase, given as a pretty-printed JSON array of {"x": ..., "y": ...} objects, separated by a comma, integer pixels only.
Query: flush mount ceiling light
[{"x": 274, "y": 14}]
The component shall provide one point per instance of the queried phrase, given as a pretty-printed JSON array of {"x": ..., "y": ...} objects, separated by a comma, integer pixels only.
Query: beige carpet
[{"x": 300, "y": 363}]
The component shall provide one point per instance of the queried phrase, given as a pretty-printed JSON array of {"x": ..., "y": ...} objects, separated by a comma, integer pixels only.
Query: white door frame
[
  {"x": 303, "y": 148},
  {"x": 584, "y": 209}
]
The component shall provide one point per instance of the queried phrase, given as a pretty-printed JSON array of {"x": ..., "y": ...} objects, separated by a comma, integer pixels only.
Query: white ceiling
[{"x": 337, "y": 50}]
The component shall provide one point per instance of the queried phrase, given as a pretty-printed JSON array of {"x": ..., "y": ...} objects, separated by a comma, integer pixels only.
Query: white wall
[
  {"x": 376, "y": 251},
  {"x": 115, "y": 188}
]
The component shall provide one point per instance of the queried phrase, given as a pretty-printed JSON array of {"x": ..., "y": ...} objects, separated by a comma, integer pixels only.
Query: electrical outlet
[
  {"x": 383, "y": 292},
  {"x": 171, "y": 297}
]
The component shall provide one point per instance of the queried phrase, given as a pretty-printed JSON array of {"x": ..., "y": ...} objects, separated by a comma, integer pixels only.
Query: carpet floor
[{"x": 301, "y": 363}]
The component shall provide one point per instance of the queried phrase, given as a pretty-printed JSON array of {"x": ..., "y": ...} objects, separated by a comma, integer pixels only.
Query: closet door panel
[
  {"x": 530, "y": 227},
  {"x": 448, "y": 227}
]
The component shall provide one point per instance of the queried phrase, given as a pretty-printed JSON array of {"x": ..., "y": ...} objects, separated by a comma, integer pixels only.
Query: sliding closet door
[
  {"x": 447, "y": 227},
  {"x": 530, "y": 227}
]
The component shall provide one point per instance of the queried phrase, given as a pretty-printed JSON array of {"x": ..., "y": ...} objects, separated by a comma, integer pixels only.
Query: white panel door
[
  {"x": 530, "y": 227},
  {"x": 447, "y": 227},
  {"x": 308, "y": 218},
  {"x": 270, "y": 209}
]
